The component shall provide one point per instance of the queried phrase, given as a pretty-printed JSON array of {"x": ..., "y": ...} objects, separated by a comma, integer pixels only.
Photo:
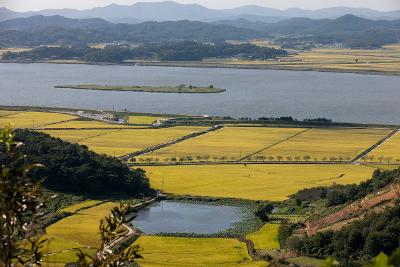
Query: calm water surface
[
  {"x": 251, "y": 93},
  {"x": 181, "y": 217}
]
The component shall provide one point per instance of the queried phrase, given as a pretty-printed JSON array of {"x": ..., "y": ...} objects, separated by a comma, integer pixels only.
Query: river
[{"x": 343, "y": 97}]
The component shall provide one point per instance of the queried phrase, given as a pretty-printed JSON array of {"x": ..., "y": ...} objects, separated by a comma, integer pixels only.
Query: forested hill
[
  {"x": 169, "y": 51},
  {"x": 349, "y": 30},
  {"x": 40, "y": 30},
  {"x": 73, "y": 168}
]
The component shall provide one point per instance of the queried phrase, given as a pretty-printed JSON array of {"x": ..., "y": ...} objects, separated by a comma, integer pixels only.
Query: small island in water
[{"x": 180, "y": 89}]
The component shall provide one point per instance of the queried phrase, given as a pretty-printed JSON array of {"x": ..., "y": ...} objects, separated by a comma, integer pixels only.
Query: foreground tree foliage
[
  {"x": 21, "y": 206},
  {"x": 73, "y": 168},
  {"x": 20, "y": 203}
]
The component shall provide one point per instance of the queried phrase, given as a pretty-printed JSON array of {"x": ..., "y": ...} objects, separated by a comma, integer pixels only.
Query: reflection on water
[{"x": 181, "y": 217}]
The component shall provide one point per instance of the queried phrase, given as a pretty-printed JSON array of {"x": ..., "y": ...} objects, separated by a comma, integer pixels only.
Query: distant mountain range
[
  {"x": 348, "y": 29},
  {"x": 171, "y": 11}
]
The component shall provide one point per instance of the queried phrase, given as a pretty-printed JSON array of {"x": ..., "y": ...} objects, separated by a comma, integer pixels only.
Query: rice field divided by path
[
  {"x": 78, "y": 230},
  {"x": 192, "y": 252},
  {"x": 74, "y": 136},
  {"x": 387, "y": 152},
  {"x": 123, "y": 142},
  {"x": 82, "y": 124},
  {"x": 33, "y": 119},
  {"x": 7, "y": 112},
  {"x": 82, "y": 205},
  {"x": 266, "y": 237},
  {"x": 325, "y": 145},
  {"x": 229, "y": 143},
  {"x": 273, "y": 182}
]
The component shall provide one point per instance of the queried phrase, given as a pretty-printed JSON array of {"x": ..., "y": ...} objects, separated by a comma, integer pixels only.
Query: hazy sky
[{"x": 24, "y": 5}]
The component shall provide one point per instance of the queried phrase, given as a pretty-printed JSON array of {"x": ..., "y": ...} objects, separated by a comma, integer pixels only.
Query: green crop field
[
  {"x": 388, "y": 152},
  {"x": 266, "y": 237},
  {"x": 256, "y": 182},
  {"x": 230, "y": 143},
  {"x": 33, "y": 119},
  {"x": 191, "y": 252},
  {"x": 123, "y": 142},
  {"x": 325, "y": 145},
  {"x": 306, "y": 261}
]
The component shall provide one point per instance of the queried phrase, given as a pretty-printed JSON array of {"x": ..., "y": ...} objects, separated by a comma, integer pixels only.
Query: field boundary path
[
  {"x": 277, "y": 143},
  {"x": 170, "y": 143},
  {"x": 53, "y": 123},
  {"x": 375, "y": 146},
  {"x": 98, "y": 135},
  {"x": 7, "y": 115},
  {"x": 131, "y": 230}
]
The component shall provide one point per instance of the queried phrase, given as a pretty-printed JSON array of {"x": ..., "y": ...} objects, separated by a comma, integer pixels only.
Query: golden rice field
[
  {"x": 7, "y": 112},
  {"x": 123, "y": 142},
  {"x": 266, "y": 237},
  {"x": 388, "y": 150},
  {"x": 75, "y": 136},
  {"x": 143, "y": 119},
  {"x": 82, "y": 205},
  {"x": 232, "y": 143},
  {"x": 77, "y": 231},
  {"x": 326, "y": 145},
  {"x": 386, "y": 59},
  {"x": 192, "y": 252},
  {"x": 33, "y": 119},
  {"x": 82, "y": 124},
  {"x": 273, "y": 182}
]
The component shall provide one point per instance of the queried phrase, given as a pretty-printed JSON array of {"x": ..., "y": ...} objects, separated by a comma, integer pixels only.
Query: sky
[{"x": 25, "y": 5}]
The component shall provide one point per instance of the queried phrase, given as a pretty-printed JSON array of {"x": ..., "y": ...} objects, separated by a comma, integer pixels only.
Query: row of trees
[
  {"x": 381, "y": 159},
  {"x": 259, "y": 158}
]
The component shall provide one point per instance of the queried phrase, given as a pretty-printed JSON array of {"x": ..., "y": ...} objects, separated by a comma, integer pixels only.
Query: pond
[{"x": 185, "y": 217}]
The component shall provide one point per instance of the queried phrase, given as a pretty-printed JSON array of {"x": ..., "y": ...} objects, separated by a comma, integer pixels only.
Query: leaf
[{"x": 382, "y": 260}]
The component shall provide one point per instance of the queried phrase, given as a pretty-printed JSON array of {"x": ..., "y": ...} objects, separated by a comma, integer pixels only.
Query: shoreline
[
  {"x": 145, "y": 89},
  {"x": 199, "y": 121},
  {"x": 192, "y": 64}
]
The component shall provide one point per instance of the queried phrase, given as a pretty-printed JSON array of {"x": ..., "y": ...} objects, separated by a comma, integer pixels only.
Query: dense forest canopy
[
  {"x": 171, "y": 51},
  {"x": 73, "y": 168},
  {"x": 348, "y": 30}
]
